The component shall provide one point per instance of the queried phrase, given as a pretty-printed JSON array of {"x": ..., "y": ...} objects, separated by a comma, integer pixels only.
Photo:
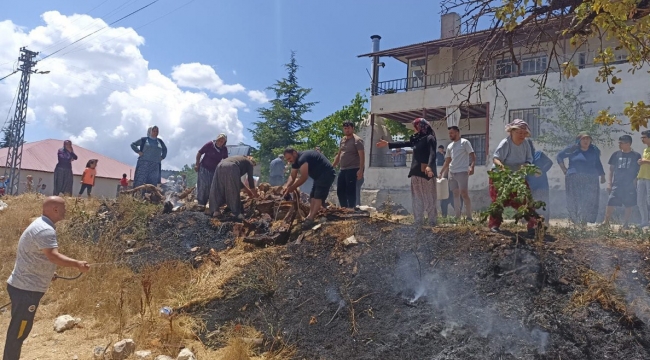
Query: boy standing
[
  {"x": 623, "y": 171},
  {"x": 124, "y": 182}
]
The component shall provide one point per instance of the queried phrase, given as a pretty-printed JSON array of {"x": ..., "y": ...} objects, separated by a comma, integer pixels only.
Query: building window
[
  {"x": 530, "y": 116},
  {"x": 535, "y": 65},
  {"x": 504, "y": 67},
  {"x": 529, "y": 66},
  {"x": 478, "y": 144},
  {"x": 582, "y": 60},
  {"x": 418, "y": 62}
]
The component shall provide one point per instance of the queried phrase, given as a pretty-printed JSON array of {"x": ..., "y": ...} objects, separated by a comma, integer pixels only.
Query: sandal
[{"x": 307, "y": 224}]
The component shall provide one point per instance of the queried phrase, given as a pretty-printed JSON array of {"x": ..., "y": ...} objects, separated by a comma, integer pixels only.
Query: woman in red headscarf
[{"x": 423, "y": 170}]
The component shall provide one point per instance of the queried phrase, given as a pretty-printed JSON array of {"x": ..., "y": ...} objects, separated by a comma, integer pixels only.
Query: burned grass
[
  {"x": 446, "y": 293},
  {"x": 452, "y": 292}
]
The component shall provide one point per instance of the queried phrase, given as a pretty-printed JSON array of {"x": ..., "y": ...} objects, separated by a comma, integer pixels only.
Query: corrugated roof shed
[
  {"x": 234, "y": 150},
  {"x": 42, "y": 156}
]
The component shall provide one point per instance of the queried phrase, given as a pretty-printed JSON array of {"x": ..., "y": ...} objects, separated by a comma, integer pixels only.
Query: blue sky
[
  {"x": 245, "y": 42},
  {"x": 254, "y": 38}
]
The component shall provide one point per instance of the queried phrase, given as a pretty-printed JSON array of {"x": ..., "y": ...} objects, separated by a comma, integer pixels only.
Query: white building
[{"x": 438, "y": 74}]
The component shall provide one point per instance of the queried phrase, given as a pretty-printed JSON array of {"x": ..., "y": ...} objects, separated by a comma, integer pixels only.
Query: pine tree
[
  {"x": 283, "y": 119},
  {"x": 6, "y": 138}
]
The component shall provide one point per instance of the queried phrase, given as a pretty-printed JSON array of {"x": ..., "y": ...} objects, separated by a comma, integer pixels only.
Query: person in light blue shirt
[
  {"x": 276, "y": 171},
  {"x": 151, "y": 152}
]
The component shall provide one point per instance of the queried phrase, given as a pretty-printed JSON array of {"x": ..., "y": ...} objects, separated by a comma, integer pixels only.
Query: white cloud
[
  {"x": 258, "y": 96},
  {"x": 234, "y": 72},
  {"x": 58, "y": 110},
  {"x": 87, "y": 135},
  {"x": 200, "y": 76},
  {"x": 102, "y": 94}
]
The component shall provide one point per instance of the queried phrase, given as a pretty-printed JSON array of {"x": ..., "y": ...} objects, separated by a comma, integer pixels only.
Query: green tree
[
  {"x": 6, "y": 138},
  {"x": 397, "y": 130},
  {"x": 283, "y": 119},
  {"x": 563, "y": 116},
  {"x": 190, "y": 175},
  {"x": 327, "y": 133}
]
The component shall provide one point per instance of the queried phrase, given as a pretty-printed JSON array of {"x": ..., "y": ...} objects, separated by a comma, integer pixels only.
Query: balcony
[
  {"x": 501, "y": 69},
  {"x": 423, "y": 82}
]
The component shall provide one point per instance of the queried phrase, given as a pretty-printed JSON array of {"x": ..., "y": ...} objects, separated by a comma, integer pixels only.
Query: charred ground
[{"x": 452, "y": 292}]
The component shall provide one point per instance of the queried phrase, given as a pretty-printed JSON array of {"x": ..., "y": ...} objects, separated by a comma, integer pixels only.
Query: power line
[
  {"x": 90, "y": 25},
  {"x": 9, "y": 111},
  {"x": 15, "y": 71},
  {"x": 96, "y": 31},
  {"x": 127, "y": 31}
]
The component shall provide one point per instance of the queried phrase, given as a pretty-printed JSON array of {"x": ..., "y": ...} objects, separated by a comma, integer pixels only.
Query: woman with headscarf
[
  {"x": 423, "y": 170},
  {"x": 63, "y": 177},
  {"x": 581, "y": 181},
  {"x": 151, "y": 152},
  {"x": 513, "y": 152},
  {"x": 207, "y": 159}
]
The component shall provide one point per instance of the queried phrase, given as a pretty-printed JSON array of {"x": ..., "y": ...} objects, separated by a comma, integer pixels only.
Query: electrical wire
[
  {"x": 90, "y": 25},
  {"x": 96, "y": 31},
  {"x": 10, "y": 106},
  {"x": 15, "y": 71},
  {"x": 126, "y": 32}
]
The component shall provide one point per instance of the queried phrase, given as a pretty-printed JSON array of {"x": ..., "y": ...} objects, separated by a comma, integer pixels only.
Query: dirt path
[{"x": 46, "y": 344}]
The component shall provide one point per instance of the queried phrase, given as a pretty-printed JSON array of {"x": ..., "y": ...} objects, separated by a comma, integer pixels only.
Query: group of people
[
  {"x": 628, "y": 179},
  {"x": 63, "y": 177}
]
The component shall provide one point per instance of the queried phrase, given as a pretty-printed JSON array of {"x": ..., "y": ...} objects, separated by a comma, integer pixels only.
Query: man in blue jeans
[
  {"x": 36, "y": 260},
  {"x": 351, "y": 157}
]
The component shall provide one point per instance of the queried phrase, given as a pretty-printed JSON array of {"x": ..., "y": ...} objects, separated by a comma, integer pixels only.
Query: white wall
[{"x": 105, "y": 188}]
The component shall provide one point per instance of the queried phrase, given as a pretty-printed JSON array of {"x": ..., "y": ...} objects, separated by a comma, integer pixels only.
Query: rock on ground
[
  {"x": 186, "y": 354},
  {"x": 123, "y": 349},
  {"x": 65, "y": 322},
  {"x": 98, "y": 353},
  {"x": 163, "y": 357},
  {"x": 143, "y": 354}
]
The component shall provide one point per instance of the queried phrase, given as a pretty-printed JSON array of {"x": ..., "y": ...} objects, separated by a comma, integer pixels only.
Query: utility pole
[{"x": 17, "y": 125}]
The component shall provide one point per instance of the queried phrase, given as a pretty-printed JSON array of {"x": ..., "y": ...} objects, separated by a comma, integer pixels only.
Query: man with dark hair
[
  {"x": 315, "y": 165},
  {"x": 351, "y": 157},
  {"x": 643, "y": 180},
  {"x": 623, "y": 171},
  {"x": 459, "y": 165},
  {"x": 440, "y": 156}
]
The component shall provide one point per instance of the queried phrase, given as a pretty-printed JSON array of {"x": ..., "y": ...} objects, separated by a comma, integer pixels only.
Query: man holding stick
[{"x": 36, "y": 260}]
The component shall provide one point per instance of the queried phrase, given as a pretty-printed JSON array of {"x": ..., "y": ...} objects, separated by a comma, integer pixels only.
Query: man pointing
[{"x": 36, "y": 260}]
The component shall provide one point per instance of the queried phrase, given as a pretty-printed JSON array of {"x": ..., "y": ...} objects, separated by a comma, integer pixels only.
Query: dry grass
[
  {"x": 111, "y": 298},
  {"x": 264, "y": 274},
  {"x": 602, "y": 290}
]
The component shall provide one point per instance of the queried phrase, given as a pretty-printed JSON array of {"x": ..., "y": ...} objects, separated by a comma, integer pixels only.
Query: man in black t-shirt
[
  {"x": 315, "y": 165},
  {"x": 623, "y": 170}
]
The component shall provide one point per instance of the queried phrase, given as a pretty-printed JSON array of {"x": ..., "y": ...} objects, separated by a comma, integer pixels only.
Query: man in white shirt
[
  {"x": 459, "y": 162},
  {"x": 37, "y": 257}
]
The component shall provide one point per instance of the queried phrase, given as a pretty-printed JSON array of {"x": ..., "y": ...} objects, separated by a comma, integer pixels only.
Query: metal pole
[{"x": 17, "y": 125}]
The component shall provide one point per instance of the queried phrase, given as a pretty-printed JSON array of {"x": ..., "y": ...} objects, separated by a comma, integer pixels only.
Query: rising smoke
[{"x": 462, "y": 310}]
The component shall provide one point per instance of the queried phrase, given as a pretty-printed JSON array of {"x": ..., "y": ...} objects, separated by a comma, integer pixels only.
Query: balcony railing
[
  {"x": 467, "y": 75},
  {"x": 422, "y": 82}
]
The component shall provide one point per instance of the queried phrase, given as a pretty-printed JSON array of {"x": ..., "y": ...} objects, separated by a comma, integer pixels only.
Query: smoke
[{"x": 460, "y": 307}]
